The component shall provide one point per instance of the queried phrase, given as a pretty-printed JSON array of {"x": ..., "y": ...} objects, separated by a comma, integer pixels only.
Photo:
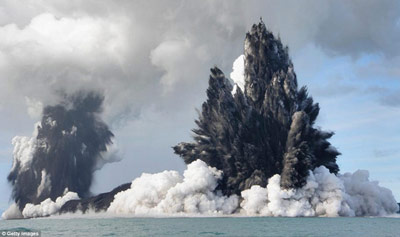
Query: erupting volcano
[
  {"x": 256, "y": 151},
  {"x": 263, "y": 129}
]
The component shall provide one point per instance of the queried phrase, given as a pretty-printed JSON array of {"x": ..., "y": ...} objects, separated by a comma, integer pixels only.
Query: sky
[{"x": 151, "y": 60}]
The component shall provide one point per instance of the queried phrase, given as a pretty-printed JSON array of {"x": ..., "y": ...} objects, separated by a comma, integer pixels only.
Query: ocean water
[{"x": 226, "y": 226}]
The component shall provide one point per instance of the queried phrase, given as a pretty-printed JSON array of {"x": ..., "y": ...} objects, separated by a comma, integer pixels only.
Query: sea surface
[{"x": 214, "y": 226}]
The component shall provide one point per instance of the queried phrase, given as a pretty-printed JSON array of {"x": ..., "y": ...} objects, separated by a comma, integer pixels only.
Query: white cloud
[
  {"x": 324, "y": 194},
  {"x": 237, "y": 75},
  {"x": 170, "y": 193},
  {"x": 167, "y": 56},
  {"x": 48, "y": 207},
  {"x": 53, "y": 54},
  {"x": 45, "y": 183},
  {"x": 49, "y": 38},
  {"x": 34, "y": 109}
]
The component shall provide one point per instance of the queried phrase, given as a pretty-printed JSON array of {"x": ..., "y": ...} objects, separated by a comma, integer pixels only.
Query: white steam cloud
[
  {"x": 170, "y": 193},
  {"x": 24, "y": 148},
  {"x": 48, "y": 207},
  {"x": 45, "y": 183},
  {"x": 45, "y": 208},
  {"x": 237, "y": 74},
  {"x": 12, "y": 212},
  {"x": 325, "y": 194}
]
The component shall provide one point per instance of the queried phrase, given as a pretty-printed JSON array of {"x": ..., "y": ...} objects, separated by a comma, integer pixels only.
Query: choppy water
[{"x": 229, "y": 226}]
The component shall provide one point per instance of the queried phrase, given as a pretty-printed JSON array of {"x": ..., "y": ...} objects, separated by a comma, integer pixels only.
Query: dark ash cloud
[
  {"x": 266, "y": 129},
  {"x": 68, "y": 146}
]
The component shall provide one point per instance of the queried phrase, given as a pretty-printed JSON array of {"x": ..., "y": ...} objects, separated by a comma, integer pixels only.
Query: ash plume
[
  {"x": 67, "y": 147},
  {"x": 256, "y": 153},
  {"x": 263, "y": 130}
]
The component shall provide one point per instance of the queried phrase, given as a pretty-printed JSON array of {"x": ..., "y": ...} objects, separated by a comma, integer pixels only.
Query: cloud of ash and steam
[
  {"x": 195, "y": 193},
  {"x": 325, "y": 194},
  {"x": 170, "y": 194},
  {"x": 157, "y": 54},
  {"x": 118, "y": 53},
  {"x": 264, "y": 129},
  {"x": 67, "y": 146},
  {"x": 47, "y": 207}
]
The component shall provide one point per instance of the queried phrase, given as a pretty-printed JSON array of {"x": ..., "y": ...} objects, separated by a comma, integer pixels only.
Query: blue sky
[
  {"x": 151, "y": 60},
  {"x": 353, "y": 106}
]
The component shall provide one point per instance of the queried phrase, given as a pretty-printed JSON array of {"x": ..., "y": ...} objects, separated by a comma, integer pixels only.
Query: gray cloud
[
  {"x": 386, "y": 96},
  {"x": 149, "y": 51},
  {"x": 387, "y": 68},
  {"x": 380, "y": 153},
  {"x": 391, "y": 99},
  {"x": 357, "y": 27}
]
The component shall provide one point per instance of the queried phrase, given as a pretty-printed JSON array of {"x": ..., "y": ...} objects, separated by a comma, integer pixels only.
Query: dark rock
[{"x": 97, "y": 203}]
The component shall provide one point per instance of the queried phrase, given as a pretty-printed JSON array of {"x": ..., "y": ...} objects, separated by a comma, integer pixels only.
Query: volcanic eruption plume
[
  {"x": 63, "y": 153},
  {"x": 263, "y": 129},
  {"x": 256, "y": 151}
]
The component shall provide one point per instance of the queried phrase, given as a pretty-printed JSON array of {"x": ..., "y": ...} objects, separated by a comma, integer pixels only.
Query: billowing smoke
[
  {"x": 67, "y": 146},
  {"x": 324, "y": 194},
  {"x": 262, "y": 128},
  {"x": 47, "y": 207},
  {"x": 195, "y": 193},
  {"x": 170, "y": 193},
  {"x": 259, "y": 133}
]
